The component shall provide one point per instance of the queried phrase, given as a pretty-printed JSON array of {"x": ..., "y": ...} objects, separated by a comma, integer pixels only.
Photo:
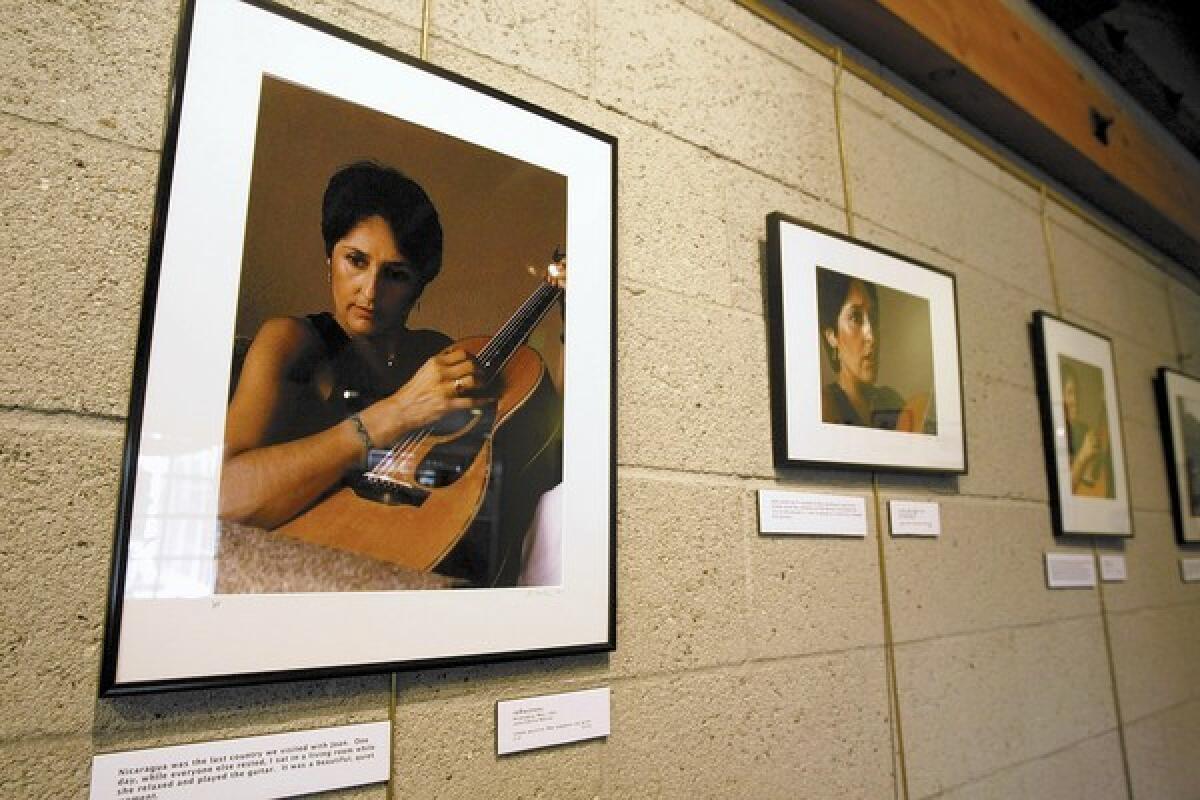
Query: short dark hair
[
  {"x": 832, "y": 289},
  {"x": 366, "y": 189}
]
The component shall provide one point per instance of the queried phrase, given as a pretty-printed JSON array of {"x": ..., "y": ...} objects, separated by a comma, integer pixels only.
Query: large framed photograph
[
  {"x": 1179, "y": 409},
  {"x": 1081, "y": 425},
  {"x": 864, "y": 350},
  {"x": 365, "y": 433}
]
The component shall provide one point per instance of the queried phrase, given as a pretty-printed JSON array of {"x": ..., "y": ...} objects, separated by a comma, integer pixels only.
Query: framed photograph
[
  {"x": 365, "y": 433},
  {"x": 865, "y": 365},
  {"x": 1179, "y": 410},
  {"x": 1081, "y": 423}
]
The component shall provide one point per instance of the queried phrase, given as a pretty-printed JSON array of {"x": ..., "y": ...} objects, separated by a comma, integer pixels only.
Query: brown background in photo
[
  {"x": 498, "y": 215},
  {"x": 905, "y": 342}
]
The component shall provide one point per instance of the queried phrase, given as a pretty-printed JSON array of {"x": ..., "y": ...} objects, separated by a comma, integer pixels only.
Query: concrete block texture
[
  {"x": 1156, "y": 658},
  {"x": 1152, "y": 566},
  {"x": 1005, "y": 457},
  {"x": 701, "y": 402},
  {"x": 739, "y": 101},
  {"x": 1164, "y": 752},
  {"x": 550, "y": 39},
  {"x": 810, "y": 595},
  {"x": 446, "y": 748},
  {"x": 1185, "y": 312},
  {"x": 810, "y": 727},
  {"x": 74, "y": 64},
  {"x": 985, "y": 572},
  {"x": 76, "y": 218},
  {"x": 1086, "y": 770},
  {"x": 681, "y": 596},
  {"x": 60, "y": 492},
  {"x": 1103, "y": 291},
  {"x": 974, "y": 704}
]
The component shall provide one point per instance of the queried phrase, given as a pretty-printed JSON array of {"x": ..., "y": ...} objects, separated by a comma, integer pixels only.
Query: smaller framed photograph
[
  {"x": 1179, "y": 410},
  {"x": 864, "y": 355},
  {"x": 1081, "y": 424}
]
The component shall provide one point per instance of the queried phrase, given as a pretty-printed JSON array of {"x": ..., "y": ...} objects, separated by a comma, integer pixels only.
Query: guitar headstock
[{"x": 555, "y": 273}]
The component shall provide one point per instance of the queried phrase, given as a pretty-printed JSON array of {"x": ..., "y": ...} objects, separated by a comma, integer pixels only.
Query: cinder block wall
[{"x": 747, "y": 667}]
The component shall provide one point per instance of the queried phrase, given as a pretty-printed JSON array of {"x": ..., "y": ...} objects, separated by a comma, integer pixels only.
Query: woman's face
[
  {"x": 374, "y": 285},
  {"x": 1070, "y": 400},
  {"x": 855, "y": 337}
]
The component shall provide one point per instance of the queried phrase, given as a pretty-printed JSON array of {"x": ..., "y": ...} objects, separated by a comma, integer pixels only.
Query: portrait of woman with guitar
[
  {"x": 1088, "y": 443},
  {"x": 349, "y": 430}
]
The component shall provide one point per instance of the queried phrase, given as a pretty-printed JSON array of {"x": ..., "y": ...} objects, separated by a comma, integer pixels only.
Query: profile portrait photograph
[
  {"x": 864, "y": 357},
  {"x": 1087, "y": 428},
  {"x": 1081, "y": 429},
  {"x": 878, "y": 366}
]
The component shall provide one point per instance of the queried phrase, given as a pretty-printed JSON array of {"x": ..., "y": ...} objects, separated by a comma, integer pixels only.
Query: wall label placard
[
  {"x": 1112, "y": 568},
  {"x": 552, "y": 719},
  {"x": 803, "y": 514},
  {"x": 1189, "y": 570},
  {"x": 249, "y": 768},
  {"x": 910, "y": 518},
  {"x": 1070, "y": 571}
]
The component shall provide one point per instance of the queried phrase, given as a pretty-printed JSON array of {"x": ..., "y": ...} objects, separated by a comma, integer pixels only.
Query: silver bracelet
[{"x": 363, "y": 436}]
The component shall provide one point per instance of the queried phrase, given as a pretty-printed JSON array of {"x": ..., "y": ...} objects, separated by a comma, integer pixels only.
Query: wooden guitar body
[{"x": 423, "y": 528}]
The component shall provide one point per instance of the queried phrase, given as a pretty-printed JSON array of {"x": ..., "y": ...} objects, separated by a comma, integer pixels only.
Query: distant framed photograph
[
  {"x": 1179, "y": 410},
  {"x": 364, "y": 433},
  {"x": 1081, "y": 426},
  {"x": 864, "y": 355}
]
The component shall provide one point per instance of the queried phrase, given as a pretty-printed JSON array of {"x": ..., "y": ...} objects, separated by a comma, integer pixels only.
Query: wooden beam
[{"x": 997, "y": 70}]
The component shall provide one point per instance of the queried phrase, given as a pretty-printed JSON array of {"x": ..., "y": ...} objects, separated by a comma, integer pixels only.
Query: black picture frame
[
  {"x": 167, "y": 626},
  {"x": 1085, "y": 459},
  {"x": 1178, "y": 396},
  {"x": 918, "y": 428}
]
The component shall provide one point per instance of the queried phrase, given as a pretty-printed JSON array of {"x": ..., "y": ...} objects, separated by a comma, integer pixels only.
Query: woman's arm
[
  {"x": 265, "y": 482},
  {"x": 1088, "y": 452}
]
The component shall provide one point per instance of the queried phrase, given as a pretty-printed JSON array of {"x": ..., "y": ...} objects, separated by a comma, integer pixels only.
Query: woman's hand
[{"x": 449, "y": 381}]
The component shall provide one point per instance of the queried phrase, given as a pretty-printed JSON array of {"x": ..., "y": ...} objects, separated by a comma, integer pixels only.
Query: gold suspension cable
[
  {"x": 425, "y": 29},
  {"x": 889, "y": 647},
  {"x": 1052, "y": 267}
]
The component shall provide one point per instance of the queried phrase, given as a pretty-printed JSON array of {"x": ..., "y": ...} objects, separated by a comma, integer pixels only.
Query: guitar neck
[{"x": 513, "y": 333}]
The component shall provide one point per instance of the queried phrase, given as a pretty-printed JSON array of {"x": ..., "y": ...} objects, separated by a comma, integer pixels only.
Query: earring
[{"x": 328, "y": 271}]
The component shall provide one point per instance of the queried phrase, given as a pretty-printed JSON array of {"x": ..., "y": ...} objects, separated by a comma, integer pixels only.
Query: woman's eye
[
  {"x": 399, "y": 274},
  {"x": 357, "y": 259}
]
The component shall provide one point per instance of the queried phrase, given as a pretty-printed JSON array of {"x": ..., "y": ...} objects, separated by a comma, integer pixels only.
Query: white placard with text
[
  {"x": 1189, "y": 570},
  {"x": 910, "y": 518},
  {"x": 1070, "y": 570},
  {"x": 811, "y": 514},
  {"x": 551, "y": 719},
  {"x": 250, "y": 768},
  {"x": 1112, "y": 568}
]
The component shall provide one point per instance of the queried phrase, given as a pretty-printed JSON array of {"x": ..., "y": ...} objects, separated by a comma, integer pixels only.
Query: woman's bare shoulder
[{"x": 286, "y": 345}]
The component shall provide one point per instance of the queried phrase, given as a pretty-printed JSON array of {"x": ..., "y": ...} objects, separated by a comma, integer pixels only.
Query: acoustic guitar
[{"x": 419, "y": 499}]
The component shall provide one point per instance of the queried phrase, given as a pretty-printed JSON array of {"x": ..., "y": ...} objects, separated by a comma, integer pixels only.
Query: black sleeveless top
[{"x": 354, "y": 385}]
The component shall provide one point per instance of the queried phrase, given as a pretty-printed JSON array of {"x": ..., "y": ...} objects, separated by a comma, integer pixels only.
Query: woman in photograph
[
  {"x": 848, "y": 315},
  {"x": 1091, "y": 462},
  {"x": 318, "y": 395}
]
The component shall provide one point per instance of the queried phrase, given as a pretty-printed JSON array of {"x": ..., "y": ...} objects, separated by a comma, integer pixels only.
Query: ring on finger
[{"x": 458, "y": 385}]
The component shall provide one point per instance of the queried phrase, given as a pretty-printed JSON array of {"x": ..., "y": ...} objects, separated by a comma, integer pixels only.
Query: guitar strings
[{"x": 508, "y": 337}]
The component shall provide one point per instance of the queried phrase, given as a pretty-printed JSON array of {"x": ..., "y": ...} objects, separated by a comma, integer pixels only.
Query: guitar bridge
[{"x": 382, "y": 489}]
